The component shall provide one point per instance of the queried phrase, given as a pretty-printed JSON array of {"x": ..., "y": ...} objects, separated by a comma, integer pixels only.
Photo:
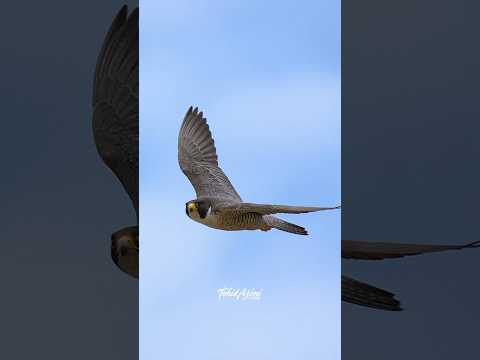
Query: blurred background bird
[
  {"x": 115, "y": 122},
  {"x": 359, "y": 293}
]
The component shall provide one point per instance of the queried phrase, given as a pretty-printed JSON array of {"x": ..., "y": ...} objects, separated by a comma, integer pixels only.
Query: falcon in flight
[
  {"x": 218, "y": 204},
  {"x": 356, "y": 292},
  {"x": 115, "y": 122}
]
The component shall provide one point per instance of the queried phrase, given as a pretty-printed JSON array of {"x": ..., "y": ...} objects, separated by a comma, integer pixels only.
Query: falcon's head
[
  {"x": 125, "y": 249},
  {"x": 197, "y": 209}
]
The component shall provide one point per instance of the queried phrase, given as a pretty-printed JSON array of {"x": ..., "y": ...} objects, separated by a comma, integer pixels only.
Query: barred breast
[{"x": 235, "y": 221}]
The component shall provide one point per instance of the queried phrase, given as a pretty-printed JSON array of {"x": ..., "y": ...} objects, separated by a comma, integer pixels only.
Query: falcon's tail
[
  {"x": 280, "y": 224},
  {"x": 356, "y": 292}
]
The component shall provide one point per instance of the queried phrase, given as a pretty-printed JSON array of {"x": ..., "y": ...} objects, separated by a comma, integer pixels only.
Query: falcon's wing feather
[
  {"x": 115, "y": 101},
  {"x": 198, "y": 159},
  {"x": 356, "y": 292},
  {"x": 265, "y": 209},
  {"x": 364, "y": 250}
]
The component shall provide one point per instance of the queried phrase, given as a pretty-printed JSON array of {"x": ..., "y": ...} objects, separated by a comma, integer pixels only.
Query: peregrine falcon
[
  {"x": 218, "y": 204},
  {"x": 115, "y": 122},
  {"x": 359, "y": 293}
]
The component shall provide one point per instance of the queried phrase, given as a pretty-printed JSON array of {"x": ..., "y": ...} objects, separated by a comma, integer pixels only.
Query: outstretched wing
[
  {"x": 364, "y": 250},
  {"x": 272, "y": 209},
  {"x": 356, "y": 292},
  {"x": 115, "y": 101},
  {"x": 197, "y": 157}
]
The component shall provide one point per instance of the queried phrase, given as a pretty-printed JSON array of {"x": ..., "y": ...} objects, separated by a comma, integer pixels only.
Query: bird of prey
[
  {"x": 359, "y": 293},
  {"x": 115, "y": 122},
  {"x": 218, "y": 205}
]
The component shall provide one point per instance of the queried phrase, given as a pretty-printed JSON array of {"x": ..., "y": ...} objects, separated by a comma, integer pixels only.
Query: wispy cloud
[{"x": 295, "y": 111}]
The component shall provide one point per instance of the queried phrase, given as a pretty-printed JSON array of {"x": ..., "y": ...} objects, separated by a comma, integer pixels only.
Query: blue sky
[{"x": 267, "y": 76}]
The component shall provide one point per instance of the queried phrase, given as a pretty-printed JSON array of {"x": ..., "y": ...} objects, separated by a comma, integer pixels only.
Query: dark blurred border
[
  {"x": 62, "y": 296},
  {"x": 410, "y": 153}
]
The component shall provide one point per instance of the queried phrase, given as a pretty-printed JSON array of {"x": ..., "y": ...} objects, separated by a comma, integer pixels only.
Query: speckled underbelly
[{"x": 233, "y": 222}]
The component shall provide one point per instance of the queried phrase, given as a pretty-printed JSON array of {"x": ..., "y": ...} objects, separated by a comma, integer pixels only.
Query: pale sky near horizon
[{"x": 267, "y": 77}]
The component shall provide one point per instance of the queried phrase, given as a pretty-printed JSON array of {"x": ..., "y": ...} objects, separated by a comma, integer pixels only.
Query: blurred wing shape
[
  {"x": 364, "y": 250},
  {"x": 356, "y": 292},
  {"x": 115, "y": 101},
  {"x": 197, "y": 158},
  {"x": 273, "y": 209}
]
